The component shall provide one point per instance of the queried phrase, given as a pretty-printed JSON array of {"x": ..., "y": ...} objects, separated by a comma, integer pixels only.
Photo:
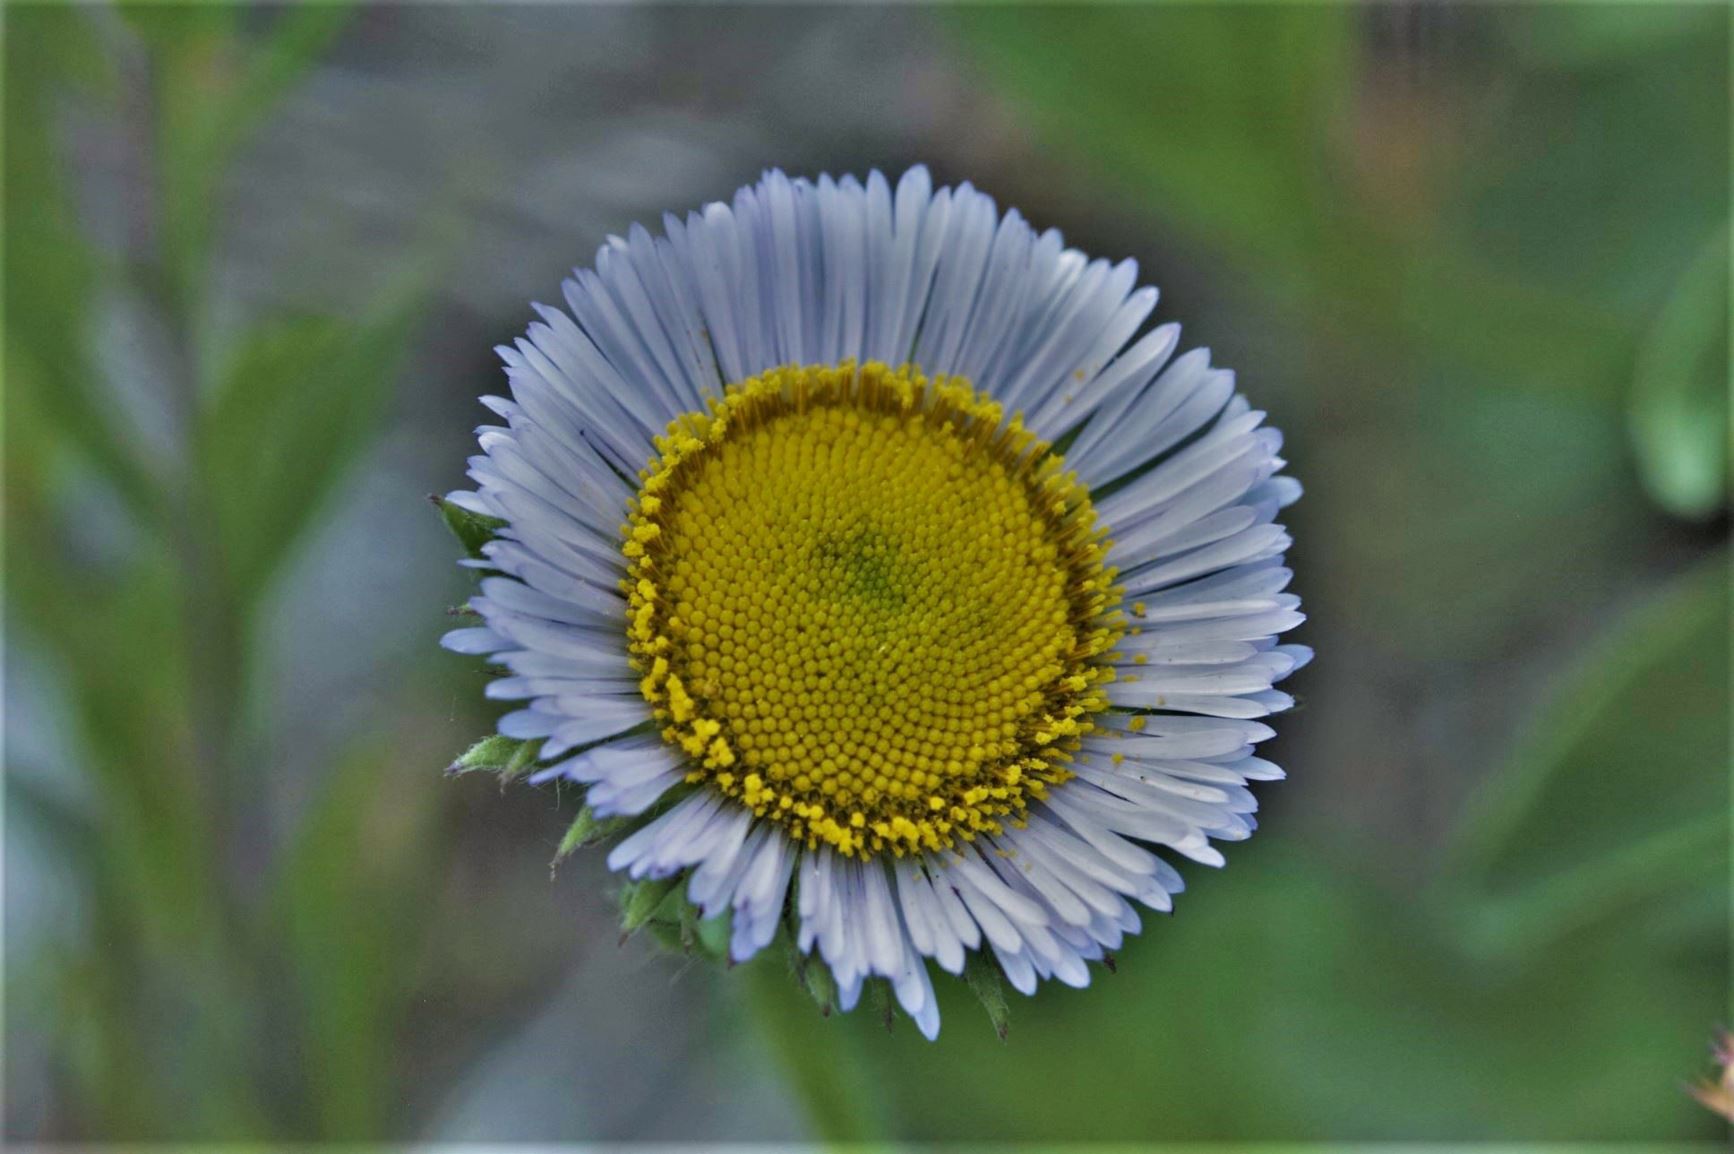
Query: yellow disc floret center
[{"x": 867, "y": 606}]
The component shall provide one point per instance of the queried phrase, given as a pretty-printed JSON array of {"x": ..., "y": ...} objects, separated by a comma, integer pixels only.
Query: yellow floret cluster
[{"x": 867, "y": 606}]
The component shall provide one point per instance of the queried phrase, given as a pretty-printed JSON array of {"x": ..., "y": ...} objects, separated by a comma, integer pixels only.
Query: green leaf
[
  {"x": 1679, "y": 398},
  {"x": 51, "y": 269},
  {"x": 163, "y": 27},
  {"x": 210, "y": 89},
  {"x": 121, "y": 650},
  {"x": 1616, "y": 805},
  {"x": 1578, "y": 36},
  {"x": 297, "y": 40},
  {"x": 473, "y": 530},
  {"x": 1215, "y": 115},
  {"x": 299, "y": 402},
  {"x": 342, "y": 959},
  {"x": 192, "y": 73},
  {"x": 1669, "y": 867},
  {"x": 250, "y": 76}
]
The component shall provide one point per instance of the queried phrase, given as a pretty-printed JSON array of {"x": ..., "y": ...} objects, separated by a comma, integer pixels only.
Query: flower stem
[{"x": 820, "y": 1057}]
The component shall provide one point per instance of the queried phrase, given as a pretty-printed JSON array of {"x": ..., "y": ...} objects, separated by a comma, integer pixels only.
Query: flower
[
  {"x": 859, "y": 547},
  {"x": 1718, "y": 1093}
]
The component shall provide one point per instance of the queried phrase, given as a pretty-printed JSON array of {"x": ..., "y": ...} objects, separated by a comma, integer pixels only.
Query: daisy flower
[{"x": 864, "y": 548}]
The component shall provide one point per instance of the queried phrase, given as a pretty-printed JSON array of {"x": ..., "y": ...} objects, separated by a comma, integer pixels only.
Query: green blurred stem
[
  {"x": 215, "y": 644},
  {"x": 819, "y": 1056},
  {"x": 215, "y": 635}
]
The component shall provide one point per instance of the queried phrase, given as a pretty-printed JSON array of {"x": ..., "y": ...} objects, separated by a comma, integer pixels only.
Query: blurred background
[{"x": 1473, "y": 259}]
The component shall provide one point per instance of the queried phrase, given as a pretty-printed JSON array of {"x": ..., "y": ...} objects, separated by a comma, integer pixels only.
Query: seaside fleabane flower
[{"x": 865, "y": 548}]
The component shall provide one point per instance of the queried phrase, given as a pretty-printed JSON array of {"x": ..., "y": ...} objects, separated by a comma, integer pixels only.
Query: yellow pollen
[{"x": 867, "y": 606}]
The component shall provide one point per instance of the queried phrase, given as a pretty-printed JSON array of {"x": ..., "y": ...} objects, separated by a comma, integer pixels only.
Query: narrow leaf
[
  {"x": 299, "y": 402},
  {"x": 1679, "y": 400},
  {"x": 1617, "y": 804}
]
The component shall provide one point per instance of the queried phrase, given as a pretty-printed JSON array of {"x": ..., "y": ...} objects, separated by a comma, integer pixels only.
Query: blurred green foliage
[
  {"x": 1614, "y": 810},
  {"x": 1500, "y": 288},
  {"x": 218, "y": 988},
  {"x": 297, "y": 403}
]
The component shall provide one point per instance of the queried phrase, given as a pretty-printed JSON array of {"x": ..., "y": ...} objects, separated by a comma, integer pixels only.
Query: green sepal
[
  {"x": 683, "y": 920},
  {"x": 473, "y": 530},
  {"x": 586, "y": 829},
  {"x": 662, "y": 908},
  {"x": 668, "y": 936},
  {"x": 713, "y": 935},
  {"x": 641, "y": 903},
  {"x": 507, "y": 756},
  {"x": 814, "y": 977},
  {"x": 879, "y": 994},
  {"x": 983, "y": 978}
]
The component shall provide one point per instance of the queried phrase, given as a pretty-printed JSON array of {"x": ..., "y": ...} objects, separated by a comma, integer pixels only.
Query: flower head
[{"x": 859, "y": 551}]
